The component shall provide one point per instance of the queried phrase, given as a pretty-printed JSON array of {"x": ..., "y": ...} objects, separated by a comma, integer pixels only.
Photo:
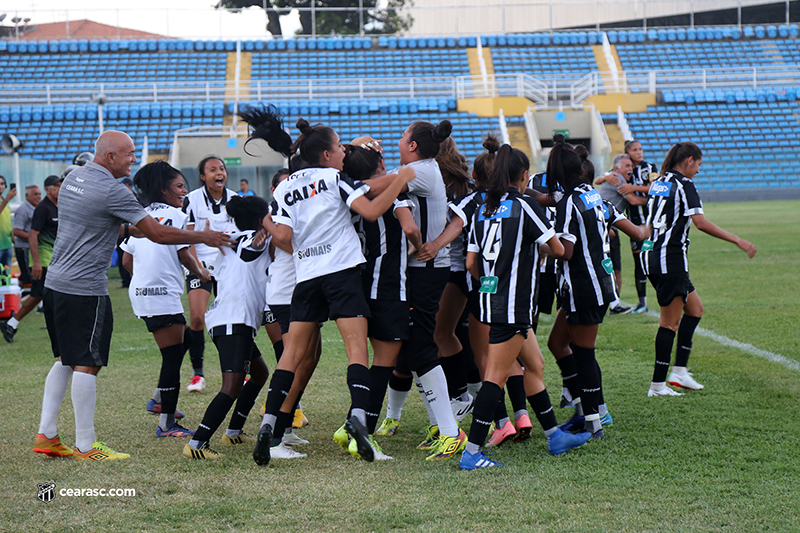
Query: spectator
[
  {"x": 6, "y": 233},
  {"x": 22, "y": 225},
  {"x": 42, "y": 237},
  {"x": 244, "y": 188}
]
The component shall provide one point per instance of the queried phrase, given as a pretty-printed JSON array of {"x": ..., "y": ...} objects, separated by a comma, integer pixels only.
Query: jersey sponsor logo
[
  {"x": 606, "y": 212},
  {"x": 305, "y": 192},
  {"x": 73, "y": 188},
  {"x": 314, "y": 251},
  {"x": 660, "y": 188},
  {"x": 151, "y": 291},
  {"x": 504, "y": 211},
  {"x": 164, "y": 221},
  {"x": 591, "y": 199}
]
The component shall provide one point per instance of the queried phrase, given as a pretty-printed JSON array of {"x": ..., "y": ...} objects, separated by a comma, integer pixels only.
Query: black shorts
[
  {"x": 586, "y": 317},
  {"x": 83, "y": 326},
  {"x": 337, "y": 295},
  {"x": 154, "y": 323},
  {"x": 500, "y": 333},
  {"x": 281, "y": 314},
  {"x": 474, "y": 300},
  {"x": 670, "y": 286},
  {"x": 463, "y": 280},
  {"x": 236, "y": 346},
  {"x": 616, "y": 256},
  {"x": 389, "y": 320},
  {"x": 37, "y": 285},
  {"x": 546, "y": 295},
  {"x": 194, "y": 283}
]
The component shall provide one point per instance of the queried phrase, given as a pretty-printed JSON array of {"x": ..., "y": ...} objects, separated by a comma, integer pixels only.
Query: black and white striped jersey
[
  {"x": 585, "y": 281},
  {"x": 463, "y": 207},
  {"x": 643, "y": 173},
  {"x": 673, "y": 201},
  {"x": 201, "y": 207},
  {"x": 538, "y": 183},
  {"x": 508, "y": 257},
  {"x": 315, "y": 203},
  {"x": 386, "y": 251}
]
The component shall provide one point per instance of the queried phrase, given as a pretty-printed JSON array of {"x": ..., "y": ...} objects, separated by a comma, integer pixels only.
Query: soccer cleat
[
  {"x": 281, "y": 451},
  {"x": 473, "y": 461},
  {"x": 500, "y": 435},
  {"x": 640, "y": 309},
  {"x": 684, "y": 381},
  {"x": 598, "y": 435},
  {"x": 376, "y": 450},
  {"x": 8, "y": 331},
  {"x": 431, "y": 438},
  {"x": 575, "y": 423},
  {"x": 448, "y": 446},
  {"x": 666, "y": 391},
  {"x": 155, "y": 409},
  {"x": 341, "y": 437},
  {"x": 561, "y": 441},
  {"x": 606, "y": 420},
  {"x": 360, "y": 434},
  {"x": 299, "y": 420},
  {"x": 619, "y": 310},
  {"x": 263, "y": 409},
  {"x": 99, "y": 452},
  {"x": 388, "y": 427},
  {"x": 291, "y": 439},
  {"x": 205, "y": 452},
  {"x": 523, "y": 426},
  {"x": 261, "y": 452},
  {"x": 461, "y": 408},
  {"x": 197, "y": 384},
  {"x": 52, "y": 447},
  {"x": 175, "y": 431},
  {"x": 241, "y": 438}
]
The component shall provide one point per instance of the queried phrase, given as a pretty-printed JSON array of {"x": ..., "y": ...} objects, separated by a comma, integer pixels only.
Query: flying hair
[{"x": 266, "y": 124}]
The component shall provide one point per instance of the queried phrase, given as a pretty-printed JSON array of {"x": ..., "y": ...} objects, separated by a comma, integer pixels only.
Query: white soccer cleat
[
  {"x": 197, "y": 384},
  {"x": 666, "y": 391},
  {"x": 684, "y": 381},
  {"x": 281, "y": 451},
  {"x": 291, "y": 439},
  {"x": 461, "y": 408}
]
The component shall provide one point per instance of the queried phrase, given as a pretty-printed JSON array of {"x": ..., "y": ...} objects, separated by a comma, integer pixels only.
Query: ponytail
[
  {"x": 266, "y": 125},
  {"x": 484, "y": 163},
  {"x": 455, "y": 170},
  {"x": 680, "y": 153},
  {"x": 564, "y": 166},
  {"x": 429, "y": 137},
  {"x": 508, "y": 165}
]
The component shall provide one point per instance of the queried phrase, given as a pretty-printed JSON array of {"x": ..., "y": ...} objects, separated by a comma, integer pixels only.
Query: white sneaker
[
  {"x": 291, "y": 439},
  {"x": 197, "y": 384},
  {"x": 666, "y": 391},
  {"x": 684, "y": 381},
  {"x": 281, "y": 451},
  {"x": 461, "y": 408}
]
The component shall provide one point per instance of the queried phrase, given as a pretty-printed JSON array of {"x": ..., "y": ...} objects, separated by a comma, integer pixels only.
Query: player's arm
[
  {"x": 544, "y": 199},
  {"x": 127, "y": 262},
  {"x": 553, "y": 248},
  {"x": 161, "y": 234},
  {"x": 372, "y": 209},
  {"x": 21, "y": 234},
  {"x": 706, "y": 226},
  {"x": 630, "y": 197},
  {"x": 429, "y": 250},
  {"x": 472, "y": 264},
  {"x": 410, "y": 228},
  {"x": 33, "y": 241},
  {"x": 636, "y": 233},
  {"x": 626, "y": 189},
  {"x": 188, "y": 258},
  {"x": 281, "y": 233}
]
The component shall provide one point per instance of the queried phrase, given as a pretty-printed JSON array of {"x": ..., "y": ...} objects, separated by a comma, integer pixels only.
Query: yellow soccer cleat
[{"x": 99, "y": 452}]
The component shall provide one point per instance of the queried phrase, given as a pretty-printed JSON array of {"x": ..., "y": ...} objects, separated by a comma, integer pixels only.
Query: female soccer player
[
  {"x": 673, "y": 207},
  {"x": 206, "y": 204},
  {"x": 314, "y": 217},
  {"x": 233, "y": 321},
  {"x": 157, "y": 283},
  {"x": 503, "y": 255}
]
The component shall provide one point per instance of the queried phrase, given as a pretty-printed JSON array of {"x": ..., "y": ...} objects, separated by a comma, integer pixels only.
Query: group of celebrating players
[{"x": 442, "y": 269}]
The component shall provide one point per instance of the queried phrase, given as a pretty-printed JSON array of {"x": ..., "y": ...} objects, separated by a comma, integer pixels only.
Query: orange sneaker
[
  {"x": 524, "y": 427},
  {"x": 99, "y": 452},
  {"x": 500, "y": 435},
  {"x": 52, "y": 447}
]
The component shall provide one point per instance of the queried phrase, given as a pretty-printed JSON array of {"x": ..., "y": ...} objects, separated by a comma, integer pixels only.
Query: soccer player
[
  {"x": 503, "y": 255},
  {"x": 156, "y": 285},
  {"x": 673, "y": 207},
  {"x": 93, "y": 206}
]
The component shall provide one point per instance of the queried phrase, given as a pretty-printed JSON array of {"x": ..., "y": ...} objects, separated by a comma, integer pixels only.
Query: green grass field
[{"x": 722, "y": 459}]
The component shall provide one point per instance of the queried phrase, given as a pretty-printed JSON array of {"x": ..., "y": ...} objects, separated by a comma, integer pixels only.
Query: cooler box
[{"x": 9, "y": 300}]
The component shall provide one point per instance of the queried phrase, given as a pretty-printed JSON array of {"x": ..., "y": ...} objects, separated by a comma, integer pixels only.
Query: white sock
[
  {"x": 55, "y": 387},
  {"x": 166, "y": 421},
  {"x": 233, "y": 433},
  {"x": 157, "y": 395},
  {"x": 602, "y": 409},
  {"x": 435, "y": 383},
  {"x": 13, "y": 322},
  {"x": 679, "y": 370},
  {"x": 84, "y": 399},
  {"x": 473, "y": 388},
  {"x": 394, "y": 406},
  {"x": 578, "y": 406},
  {"x": 421, "y": 389},
  {"x": 658, "y": 386}
]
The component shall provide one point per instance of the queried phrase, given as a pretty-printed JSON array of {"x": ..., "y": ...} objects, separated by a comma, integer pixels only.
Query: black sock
[
  {"x": 455, "y": 371},
  {"x": 569, "y": 375},
  {"x": 587, "y": 373},
  {"x": 247, "y": 398},
  {"x": 400, "y": 383},
  {"x": 359, "y": 385},
  {"x": 485, "y": 407},
  {"x": 685, "y": 334},
  {"x": 196, "y": 349},
  {"x": 279, "y": 389},
  {"x": 297, "y": 403},
  {"x": 516, "y": 393},
  {"x": 600, "y": 398},
  {"x": 215, "y": 413},
  {"x": 664, "y": 340},
  {"x": 283, "y": 421},
  {"x": 535, "y": 326},
  {"x": 278, "y": 347},
  {"x": 187, "y": 340},
  {"x": 379, "y": 377},
  {"x": 543, "y": 410},
  {"x": 169, "y": 380},
  {"x": 641, "y": 280},
  {"x": 500, "y": 412}
]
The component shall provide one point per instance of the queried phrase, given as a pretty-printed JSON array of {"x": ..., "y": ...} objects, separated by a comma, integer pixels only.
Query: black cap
[{"x": 52, "y": 180}]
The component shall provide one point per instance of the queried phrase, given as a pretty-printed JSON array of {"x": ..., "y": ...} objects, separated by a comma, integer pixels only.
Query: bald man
[{"x": 94, "y": 209}]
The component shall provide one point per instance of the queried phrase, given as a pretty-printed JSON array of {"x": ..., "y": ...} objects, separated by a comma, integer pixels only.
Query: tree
[{"x": 324, "y": 21}]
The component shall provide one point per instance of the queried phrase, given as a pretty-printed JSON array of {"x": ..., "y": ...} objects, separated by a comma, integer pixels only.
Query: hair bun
[
  {"x": 441, "y": 131},
  {"x": 303, "y": 125},
  {"x": 558, "y": 138},
  {"x": 492, "y": 144}
]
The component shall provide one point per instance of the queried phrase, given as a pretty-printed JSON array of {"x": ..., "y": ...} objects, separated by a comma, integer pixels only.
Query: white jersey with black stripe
[
  {"x": 281, "y": 278},
  {"x": 315, "y": 203},
  {"x": 201, "y": 207}
]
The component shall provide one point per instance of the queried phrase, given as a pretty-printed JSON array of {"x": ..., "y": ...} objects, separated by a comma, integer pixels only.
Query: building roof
[{"x": 82, "y": 29}]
